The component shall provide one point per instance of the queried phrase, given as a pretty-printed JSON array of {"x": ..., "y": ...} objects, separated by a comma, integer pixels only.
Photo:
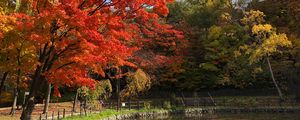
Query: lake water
[{"x": 228, "y": 116}]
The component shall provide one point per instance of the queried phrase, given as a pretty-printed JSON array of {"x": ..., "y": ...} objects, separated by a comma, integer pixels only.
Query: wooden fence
[{"x": 163, "y": 103}]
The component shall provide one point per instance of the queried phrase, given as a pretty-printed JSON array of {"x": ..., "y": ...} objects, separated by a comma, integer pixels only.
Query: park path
[{"x": 53, "y": 107}]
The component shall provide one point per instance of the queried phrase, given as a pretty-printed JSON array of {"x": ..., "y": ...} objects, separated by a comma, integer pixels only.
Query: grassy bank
[
  {"x": 107, "y": 113},
  {"x": 183, "y": 110}
]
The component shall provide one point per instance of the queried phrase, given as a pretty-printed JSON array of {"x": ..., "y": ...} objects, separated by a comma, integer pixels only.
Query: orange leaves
[
  {"x": 114, "y": 22},
  {"x": 121, "y": 35},
  {"x": 56, "y": 91},
  {"x": 35, "y": 37},
  {"x": 126, "y": 63},
  {"x": 162, "y": 9},
  {"x": 7, "y": 24},
  {"x": 1, "y": 36},
  {"x": 16, "y": 52},
  {"x": 70, "y": 40},
  {"x": 169, "y": 1},
  {"x": 72, "y": 75},
  {"x": 99, "y": 71}
]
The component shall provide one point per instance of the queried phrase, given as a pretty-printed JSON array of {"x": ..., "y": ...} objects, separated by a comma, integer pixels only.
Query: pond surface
[{"x": 228, "y": 116}]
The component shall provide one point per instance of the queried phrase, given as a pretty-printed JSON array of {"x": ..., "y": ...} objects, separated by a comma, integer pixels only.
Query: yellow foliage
[
  {"x": 214, "y": 32},
  {"x": 256, "y": 29},
  {"x": 7, "y": 5},
  {"x": 253, "y": 17},
  {"x": 102, "y": 90},
  {"x": 16, "y": 52},
  {"x": 269, "y": 46},
  {"x": 225, "y": 80},
  {"x": 258, "y": 70},
  {"x": 246, "y": 49},
  {"x": 139, "y": 81},
  {"x": 266, "y": 41},
  {"x": 6, "y": 23},
  {"x": 237, "y": 53},
  {"x": 225, "y": 17}
]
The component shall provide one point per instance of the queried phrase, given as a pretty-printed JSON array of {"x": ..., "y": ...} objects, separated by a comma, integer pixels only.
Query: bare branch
[{"x": 97, "y": 8}]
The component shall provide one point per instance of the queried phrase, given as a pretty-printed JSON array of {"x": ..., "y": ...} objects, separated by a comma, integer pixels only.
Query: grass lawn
[{"x": 107, "y": 113}]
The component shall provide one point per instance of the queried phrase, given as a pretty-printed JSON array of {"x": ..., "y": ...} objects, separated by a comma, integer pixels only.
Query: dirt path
[{"x": 53, "y": 107}]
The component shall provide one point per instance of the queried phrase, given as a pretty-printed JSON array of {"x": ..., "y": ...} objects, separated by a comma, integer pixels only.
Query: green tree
[
  {"x": 284, "y": 15},
  {"x": 214, "y": 43},
  {"x": 265, "y": 43},
  {"x": 216, "y": 34}
]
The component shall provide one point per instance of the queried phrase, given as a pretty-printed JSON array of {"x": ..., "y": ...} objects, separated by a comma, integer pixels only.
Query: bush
[
  {"x": 173, "y": 97},
  {"x": 147, "y": 105},
  {"x": 167, "y": 105}
]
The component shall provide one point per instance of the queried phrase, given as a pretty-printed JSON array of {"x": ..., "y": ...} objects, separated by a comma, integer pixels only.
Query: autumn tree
[
  {"x": 138, "y": 82},
  {"x": 265, "y": 43},
  {"x": 210, "y": 60},
  {"x": 91, "y": 97},
  {"x": 17, "y": 55},
  {"x": 107, "y": 33},
  {"x": 214, "y": 34},
  {"x": 284, "y": 14},
  {"x": 6, "y": 26}
]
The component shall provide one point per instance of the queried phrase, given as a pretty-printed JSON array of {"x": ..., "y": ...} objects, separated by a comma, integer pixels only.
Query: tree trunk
[
  {"x": 212, "y": 99},
  {"x": 195, "y": 94},
  {"x": 46, "y": 106},
  {"x": 18, "y": 105},
  {"x": 16, "y": 94},
  {"x": 182, "y": 99},
  {"x": 274, "y": 81},
  {"x": 75, "y": 101},
  {"x": 2, "y": 82},
  {"x": 30, "y": 100},
  {"x": 297, "y": 93},
  {"x": 14, "y": 105},
  {"x": 27, "y": 111},
  {"x": 84, "y": 107},
  {"x": 118, "y": 94}
]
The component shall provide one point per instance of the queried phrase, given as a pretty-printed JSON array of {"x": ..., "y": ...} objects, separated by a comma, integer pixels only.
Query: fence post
[
  {"x": 80, "y": 111},
  {"x": 58, "y": 114},
  {"x": 84, "y": 107},
  {"x": 109, "y": 104},
  {"x": 97, "y": 106},
  {"x": 138, "y": 103},
  {"x": 85, "y": 112},
  {"x": 64, "y": 113},
  {"x": 52, "y": 115},
  {"x": 129, "y": 104},
  {"x": 71, "y": 112},
  {"x": 201, "y": 102},
  {"x": 46, "y": 116},
  {"x": 40, "y": 116},
  {"x": 120, "y": 105}
]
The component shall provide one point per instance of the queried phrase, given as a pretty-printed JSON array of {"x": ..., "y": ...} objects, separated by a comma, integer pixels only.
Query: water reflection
[{"x": 226, "y": 116}]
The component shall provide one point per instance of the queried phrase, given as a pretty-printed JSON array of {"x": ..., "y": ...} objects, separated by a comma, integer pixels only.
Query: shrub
[
  {"x": 167, "y": 105},
  {"x": 147, "y": 105}
]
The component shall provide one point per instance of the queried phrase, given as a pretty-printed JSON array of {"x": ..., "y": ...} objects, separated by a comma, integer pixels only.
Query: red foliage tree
[{"x": 73, "y": 37}]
